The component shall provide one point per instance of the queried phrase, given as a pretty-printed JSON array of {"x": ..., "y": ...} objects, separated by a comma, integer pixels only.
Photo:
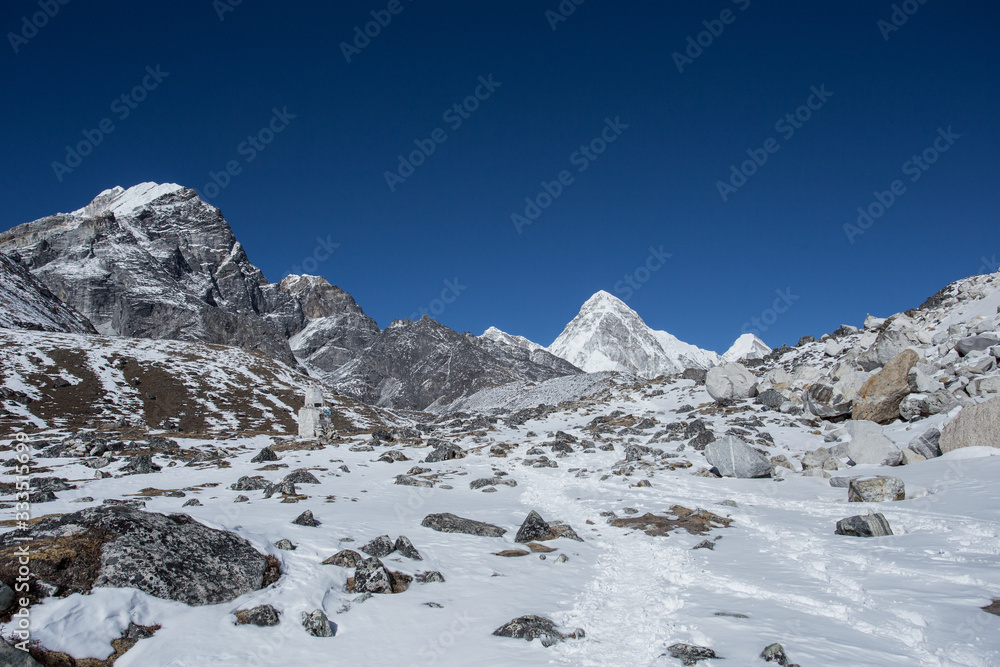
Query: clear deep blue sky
[{"x": 656, "y": 185}]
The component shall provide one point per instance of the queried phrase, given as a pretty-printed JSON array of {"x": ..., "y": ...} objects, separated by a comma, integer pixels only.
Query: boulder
[
  {"x": 15, "y": 657},
  {"x": 824, "y": 400},
  {"x": 344, "y": 558},
  {"x": 306, "y": 519},
  {"x": 371, "y": 576},
  {"x": 167, "y": 556},
  {"x": 445, "y": 452},
  {"x": 263, "y": 616},
  {"x": 317, "y": 624},
  {"x": 770, "y": 398},
  {"x": 450, "y": 523},
  {"x": 379, "y": 547},
  {"x": 533, "y": 627},
  {"x": 728, "y": 382},
  {"x": 916, "y": 406},
  {"x": 870, "y": 445},
  {"x": 920, "y": 380},
  {"x": 775, "y": 653},
  {"x": 975, "y": 425},
  {"x": 406, "y": 548},
  {"x": 879, "y": 398},
  {"x": 927, "y": 444},
  {"x": 878, "y": 489},
  {"x": 870, "y": 525},
  {"x": 735, "y": 458},
  {"x": 264, "y": 455},
  {"x": 301, "y": 477},
  {"x": 975, "y": 344},
  {"x": 689, "y": 654},
  {"x": 533, "y": 528}
]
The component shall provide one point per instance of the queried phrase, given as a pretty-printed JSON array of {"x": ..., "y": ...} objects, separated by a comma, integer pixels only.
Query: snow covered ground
[{"x": 910, "y": 599}]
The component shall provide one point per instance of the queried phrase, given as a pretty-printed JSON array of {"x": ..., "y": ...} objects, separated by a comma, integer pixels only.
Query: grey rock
[
  {"x": 702, "y": 440},
  {"x": 6, "y": 595},
  {"x": 28, "y": 304},
  {"x": 450, "y": 523},
  {"x": 533, "y": 627},
  {"x": 975, "y": 344},
  {"x": 770, "y": 399},
  {"x": 344, "y": 558},
  {"x": 870, "y": 525},
  {"x": 246, "y": 483},
  {"x": 445, "y": 452},
  {"x": 262, "y": 616},
  {"x": 171, "y": 557},
  {"x": 241, "y": 499},
  {"x": 264, "y": 455},
  {"x": 636, "y": 452},
  {"x": 735, "y": 458},
  {"x": 876, "y": 489},
  {"x": 284, "y": 545},
  {"x": 284, "y": 487},
  {"x": 491, "y": 481},
  {"x": 317, "y": 624},
  {"x": 407, "y": 480},
  {"x": 824, "y": 400},
  {"x": 301, "y": 477},
  {"x": 380, "y": 547},
  {"x": 370, "y": 576},
  {"x": 690, "y": 654},
  {"x": 305, "y": 519},
  {"x": 406, "y": 548},
  {"x": 533, "y": 527},
  {"x": 841, "y": 482},
  {"x": 432, "y": 577},
  {"x": 775, "y": 653},
  {"x": 975, "y": 425},
  {"x": 927, "y": 444},
  {"x": 140, "y": 465},
  {"x": 729, "y": 382},
  {"x": 870, "y": 445},
  {"x": 14, "y": 657},
  {"x": 704, "y": 544}
]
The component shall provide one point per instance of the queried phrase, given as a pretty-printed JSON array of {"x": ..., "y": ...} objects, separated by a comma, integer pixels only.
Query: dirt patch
[
  {"x": 511, "y": 553},
  {"x": 696, "y": 522}
]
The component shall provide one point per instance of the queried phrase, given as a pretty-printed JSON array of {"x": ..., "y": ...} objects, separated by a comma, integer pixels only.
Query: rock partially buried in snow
[
  {"x": 317, "y": 624},
  {"x": 370, "y": 576},
  {"x": 976, "y": 425},
  {"x": 379, "y": 547},
  {"x": 870, "y": 525},
  {"x": 345, "y": 558},
  {"x": 171, "y": 557},
  {"x": 869, "y": 445},
  {"x": 878, "y": 489},
  {"x": 264, "y": 455},
  {"x": 450, "y": 523},
  {"x": 262, "y": 616},
  {"x": 445, "y": 452},
  {"x": 879, "y": 398},
  {"x": 729, "y": 382},
  {"x": 735, "y": 458},
  {"x": 534, "y": 627},
  {"x": 689, "y": 654},
  {"x": 927, "y": 444},
  {"x": 533, "y": 528},
  {"x": 406, "y": 548},
  {"x": 306, "y": 519}
]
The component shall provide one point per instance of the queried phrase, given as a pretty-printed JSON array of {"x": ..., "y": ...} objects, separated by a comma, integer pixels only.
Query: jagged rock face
[
  {"x": 153, "y": 261},
  {"x": 25, "y": 303},
  {"x": 607, "y": 335},
  {"x": 413, "y": 365},
  {"x": 326, "y": 327}
]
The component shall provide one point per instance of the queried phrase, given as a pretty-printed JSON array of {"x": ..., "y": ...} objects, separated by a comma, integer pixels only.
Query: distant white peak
[
  {"x": 503, "y": 337},
  {"x": 747, "y": 346},
  {"x": 122, "y": 202}
]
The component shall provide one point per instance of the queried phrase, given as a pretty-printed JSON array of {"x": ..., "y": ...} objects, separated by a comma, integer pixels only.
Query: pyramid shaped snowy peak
[
  {"x": 121, "y": 202},
  {"x": 607, "y": 335},
  {"x": 747, "y": 346}
]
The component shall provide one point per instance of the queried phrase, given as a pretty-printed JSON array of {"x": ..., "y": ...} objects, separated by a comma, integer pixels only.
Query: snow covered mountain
[
  {"x": 747, "y": 346},
  {"x": 27, "y": 304},
  {"x": 152, "y": 261},
  {"x": 607, "y": 335},
  {"x": 495, "y": 334}
]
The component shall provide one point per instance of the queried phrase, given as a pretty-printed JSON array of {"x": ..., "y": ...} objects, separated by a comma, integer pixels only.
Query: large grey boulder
[
  {"x": 870, "y": 445},
  {"x": 975, "y": 425},
  {"x": 172, "y": 557},
  {"x": 445, "y": 452},
  {"x": 450, "y": 523},
  {"x": 878, "y": 489},
  {"x": 878, "y": 400},
  {"x": 870, "y": 525},
  {"x": 370, "y": 576},
  {"x": 825, "y": 400},
  {"x": 735, "y": 458},
  {"x": 728, "y": 382},
  {"x": 317, "y": 624},
  {"x": 533, "y": 528},
  {"x": 975, "y": 344}
]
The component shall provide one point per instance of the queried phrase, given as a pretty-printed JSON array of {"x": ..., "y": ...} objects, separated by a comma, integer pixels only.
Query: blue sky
[{"x": 623, "y": 141}]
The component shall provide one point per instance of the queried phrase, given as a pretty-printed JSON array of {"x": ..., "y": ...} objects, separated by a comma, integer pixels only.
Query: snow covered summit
[
  {"x": 607, "y": 335},
  {"x": 747, "y": 346}
]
